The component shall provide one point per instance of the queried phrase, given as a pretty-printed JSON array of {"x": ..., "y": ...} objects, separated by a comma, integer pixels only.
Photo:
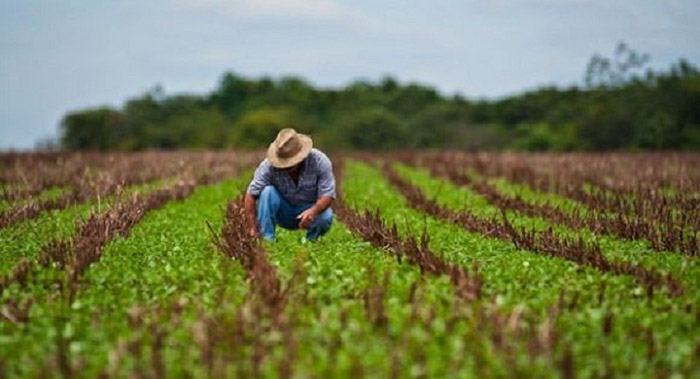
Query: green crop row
[
  {"x": 26, "y": 239},
  {"x": 167, "y": 256},
  {"x": 164, "y": 302},
  {"x": 615, "y": 248},
  {"x": 429, "y": 333},
  {"x": 535, "y": 282}
]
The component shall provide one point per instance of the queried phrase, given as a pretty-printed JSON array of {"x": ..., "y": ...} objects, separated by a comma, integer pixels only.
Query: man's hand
[
  {"x": 253, "y": 231},
  {"x": 307, "y": 217}
]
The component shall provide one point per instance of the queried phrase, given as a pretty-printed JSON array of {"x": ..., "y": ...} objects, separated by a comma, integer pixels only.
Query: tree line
[{"x": 620, "y": 106}]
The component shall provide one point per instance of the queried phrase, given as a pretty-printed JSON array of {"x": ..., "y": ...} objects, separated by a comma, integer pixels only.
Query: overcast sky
[{"x": 57, "y": 56}]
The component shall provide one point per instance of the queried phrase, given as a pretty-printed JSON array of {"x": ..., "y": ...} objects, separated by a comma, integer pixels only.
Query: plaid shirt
[{"x": 315, "y": 180}]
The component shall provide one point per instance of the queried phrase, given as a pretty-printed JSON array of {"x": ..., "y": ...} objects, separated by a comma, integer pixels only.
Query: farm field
[{"x": 442, "y": 264}]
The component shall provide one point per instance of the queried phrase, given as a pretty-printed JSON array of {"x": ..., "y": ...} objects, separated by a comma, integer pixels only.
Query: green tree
[
  {"x": 232, "y": 95},
  {"x": 198, "y": 128},
  {"x": 617, "y": 71},
  {"x": 374, "y": 129},
  {"x": 92, "y": 129},
  {"x": 618, "y": 107},
  {"x": 441, "y": 126},
  {"x": 256, "y": 128}
]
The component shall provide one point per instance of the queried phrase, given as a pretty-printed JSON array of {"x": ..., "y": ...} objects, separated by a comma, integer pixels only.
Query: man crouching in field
[{"x": 294, "y": 187}]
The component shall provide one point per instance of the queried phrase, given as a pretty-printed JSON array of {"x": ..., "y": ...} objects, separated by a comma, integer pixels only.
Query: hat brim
[{"x": 277, "y": 162}]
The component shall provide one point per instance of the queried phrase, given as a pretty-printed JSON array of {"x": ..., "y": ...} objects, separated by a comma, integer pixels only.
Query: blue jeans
[{"x": 274, "y": 210}]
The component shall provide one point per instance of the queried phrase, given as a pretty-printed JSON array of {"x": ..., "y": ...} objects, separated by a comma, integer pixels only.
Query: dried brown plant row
[
  {"x": 504, "y": 330},
  {"x": 47, "y": 170},
  {"x": 267, "y": 298},
  {"x": 662, "y": 236},
  {"x": 86, "y": 246},
  {"x": 127, "y": 170},
  {"x": 32, "y": 210},
  {"x": 544, "y": 242},
  {"x": 35, "y": 172},
  {"x": 654, "y": 218},
  {"x": 232, "y": 340},
  {"x": 633, "y": 185},
  {"x": 370, "y": 227},
  {"x": 90, "y": 177},
  {"x": 27, "y": 174},
  {"x": 638, "y": 196},
  {"x": 155, "y": 325},
  {"x": 610, "y": 171},
  {"x": 236, "y": 243},
  {"x": 98, "y": 229}
]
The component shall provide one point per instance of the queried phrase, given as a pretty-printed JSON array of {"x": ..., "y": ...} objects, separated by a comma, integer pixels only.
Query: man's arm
[
  {"x": 249, "y": 205},
  {"x": 307, "y": 217},
  {"x": 325, "y": 191}
]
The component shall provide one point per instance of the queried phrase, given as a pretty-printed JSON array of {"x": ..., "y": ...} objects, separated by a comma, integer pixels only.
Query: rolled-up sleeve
[
  {"x": 326, "y": 179},
  {"x": 260, "y": 179}
]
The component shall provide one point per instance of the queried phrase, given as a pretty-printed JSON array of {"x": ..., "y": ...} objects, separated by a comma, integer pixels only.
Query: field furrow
[
  {"x": 663, "y": 233},
  {"x": 661, "y": 189},
  {"x": 537, "y": 282},
  {"x": 678, "y": 268},
  {"x": 437, "y": 265},
  {"x": 545, "y": 240},
  {"x": 167, "y": 259},
  {"x": 26, "y": 239},
  {"x": 88, "y": 183}
]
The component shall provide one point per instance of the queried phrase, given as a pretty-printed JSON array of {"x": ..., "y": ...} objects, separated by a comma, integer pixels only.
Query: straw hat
[{"x": 289, "y": 148}]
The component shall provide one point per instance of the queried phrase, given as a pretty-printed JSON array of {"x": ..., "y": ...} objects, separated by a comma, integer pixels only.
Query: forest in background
[{"x": 621, "y": 105}]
